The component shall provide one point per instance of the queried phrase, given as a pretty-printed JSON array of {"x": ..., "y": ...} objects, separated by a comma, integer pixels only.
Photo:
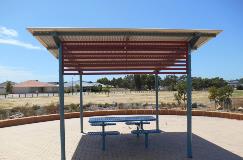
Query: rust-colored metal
[
  {"x": 112, "y": 73},
  {"x": 123, "y": 57}
]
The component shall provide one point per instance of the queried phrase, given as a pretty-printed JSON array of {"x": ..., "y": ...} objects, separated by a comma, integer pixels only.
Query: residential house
[{"x": 34, "y": 86}]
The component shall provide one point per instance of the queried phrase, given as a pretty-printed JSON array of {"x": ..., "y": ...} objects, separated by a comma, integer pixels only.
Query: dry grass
[
  {"x": 114, "y": 97},
  {"x": 117, "y": 97}
]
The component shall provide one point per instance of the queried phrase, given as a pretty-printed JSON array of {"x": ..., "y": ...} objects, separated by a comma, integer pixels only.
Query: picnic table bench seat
[
  {"x": 146, "y": 133},
  {"x": 104, "y": 133},
  {"x": 102, "y": 124},
  {"x": 137, "y": 122}
]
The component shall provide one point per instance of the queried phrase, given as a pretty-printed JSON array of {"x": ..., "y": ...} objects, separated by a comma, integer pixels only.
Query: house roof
[{"x": 33, "y": 83}]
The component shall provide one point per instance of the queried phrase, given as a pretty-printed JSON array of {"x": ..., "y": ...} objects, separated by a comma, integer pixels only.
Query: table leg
[
  {"x": 141, "y": 124},
  {"x": 137, "y": 131},
  {"x": 103, "y": 137},
  {"x": 146, "y": 140},
  {"x": 103, "y": 142}
]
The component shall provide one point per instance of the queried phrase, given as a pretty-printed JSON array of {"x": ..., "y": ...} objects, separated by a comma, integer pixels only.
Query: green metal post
[
  {"x": 61, "y": 104},
  {"x": 189, "y": 106},
  {"x": 157, "y": 100},
  {"x": 81, "y": 104}
]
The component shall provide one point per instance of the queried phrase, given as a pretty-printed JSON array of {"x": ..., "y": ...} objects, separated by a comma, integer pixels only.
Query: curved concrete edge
[{"x": 52, "y": 117}]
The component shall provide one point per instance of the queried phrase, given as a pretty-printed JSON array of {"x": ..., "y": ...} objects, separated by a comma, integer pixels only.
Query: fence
[{"x": 33, "y": 95}]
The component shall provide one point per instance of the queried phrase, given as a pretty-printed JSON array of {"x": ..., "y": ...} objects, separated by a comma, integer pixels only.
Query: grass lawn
[{"x": 238, "y": 94}]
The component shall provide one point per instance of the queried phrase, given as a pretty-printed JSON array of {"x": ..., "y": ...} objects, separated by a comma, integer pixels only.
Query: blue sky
[{"x": 23, "y": 58}]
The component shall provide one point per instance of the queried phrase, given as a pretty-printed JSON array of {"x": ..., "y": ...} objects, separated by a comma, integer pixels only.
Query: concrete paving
[{"x": 213, "y": 139}]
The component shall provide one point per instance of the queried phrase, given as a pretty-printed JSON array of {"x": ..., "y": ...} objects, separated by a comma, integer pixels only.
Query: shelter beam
[
  {"x": 56, "y": 40},
  {"x": 194, "y": 40}
]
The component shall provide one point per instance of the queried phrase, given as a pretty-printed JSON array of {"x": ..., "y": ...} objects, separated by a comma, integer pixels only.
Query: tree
[
  {"x": 213, "y": 95},
  {"x": 218, "y": 82},
  {"x": 104, "y": 81},
  {"x": 9, "y": 87},
  {"x": 138, "y": 83},
  {"x": 198, "y": 83},
  {"x": 96, "y": 88},
  {"x": 170, "y": 81},
  {"x": 221, "y": 96},
  {"x": 77, "y": 87},
  {"x": 241, "y": 80},
  {"x": 181, "y": 93},
  {"x": 129, "y": 82},
  {"x": 151, "y": 81}
]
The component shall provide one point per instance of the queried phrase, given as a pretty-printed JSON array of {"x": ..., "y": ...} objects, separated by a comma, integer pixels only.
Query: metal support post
[
  {"x": 189, "y": 106},
  {"x": 81, "y": 104},
  {"x": 157, "y": 100},
  {"x": 61, "y": 104}
]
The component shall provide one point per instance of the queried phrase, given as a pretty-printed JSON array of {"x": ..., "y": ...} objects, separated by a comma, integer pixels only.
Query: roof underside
[{"x": 93, "y": 51}]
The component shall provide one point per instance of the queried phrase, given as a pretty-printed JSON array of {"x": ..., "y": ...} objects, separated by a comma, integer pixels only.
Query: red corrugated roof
[{"x": 34, "y": 83}]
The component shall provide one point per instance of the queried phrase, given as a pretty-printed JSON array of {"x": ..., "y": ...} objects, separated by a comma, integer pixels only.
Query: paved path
[{"x": 213, "y": 139}]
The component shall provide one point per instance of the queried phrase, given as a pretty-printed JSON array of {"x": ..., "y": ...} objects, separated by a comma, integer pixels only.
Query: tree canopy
[
  {"x": 9, "y": 87},
  {"x": 170, "y": 82},
  {"x": 221, "y": 96}
]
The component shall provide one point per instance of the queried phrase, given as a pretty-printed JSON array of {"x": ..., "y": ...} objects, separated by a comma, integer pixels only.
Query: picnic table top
[{"x": 121, "y": 119}]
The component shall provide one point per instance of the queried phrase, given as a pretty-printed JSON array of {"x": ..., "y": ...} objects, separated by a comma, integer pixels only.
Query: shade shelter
[{"x": 96, "y": 51}]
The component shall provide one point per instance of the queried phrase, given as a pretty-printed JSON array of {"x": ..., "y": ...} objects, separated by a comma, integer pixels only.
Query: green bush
[
  {"x": 4, "y": 113},
  {"x": 51, "y": 109},
  {"x": 74, "y": 107},
  {"x": 36, "y": 107},
  {"x": 194, "y": 105},
  {"x": 239, "y": 87},
  {"x": 27, "y": 111}
]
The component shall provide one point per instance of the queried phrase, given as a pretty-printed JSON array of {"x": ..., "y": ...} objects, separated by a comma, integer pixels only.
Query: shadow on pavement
[{"x": 165, "y": 146}]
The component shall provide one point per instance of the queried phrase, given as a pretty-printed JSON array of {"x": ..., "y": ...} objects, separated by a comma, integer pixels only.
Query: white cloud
[
  {"x": 8, "y": 32},
  {"x": 18, "y": 43},
  {"x": 18, "y": 74},
  {"x": 9, "y": 37}
]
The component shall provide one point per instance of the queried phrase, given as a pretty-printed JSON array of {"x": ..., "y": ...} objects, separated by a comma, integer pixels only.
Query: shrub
[
  {"x": 26, "y": 111},
  {"x": 174, "y": 105},
  {"x": 121, "y": 105},
  {"x": 74, "y": 107},
  {"x": 194, "y": 105},
  {"x": 35, "y": 107},
  {"x": 4, "y": 113},
  {"x": 239, "y": 87},
  {"x": 86, "y": 106},
  {"x": 106, "y": 105},
  {"x": 51, "y": 109}
]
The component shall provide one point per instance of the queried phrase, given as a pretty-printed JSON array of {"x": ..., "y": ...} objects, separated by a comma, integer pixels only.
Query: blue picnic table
[
  {"x": 121, "y": 119},
  {"x": 129, "y": 120}
]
